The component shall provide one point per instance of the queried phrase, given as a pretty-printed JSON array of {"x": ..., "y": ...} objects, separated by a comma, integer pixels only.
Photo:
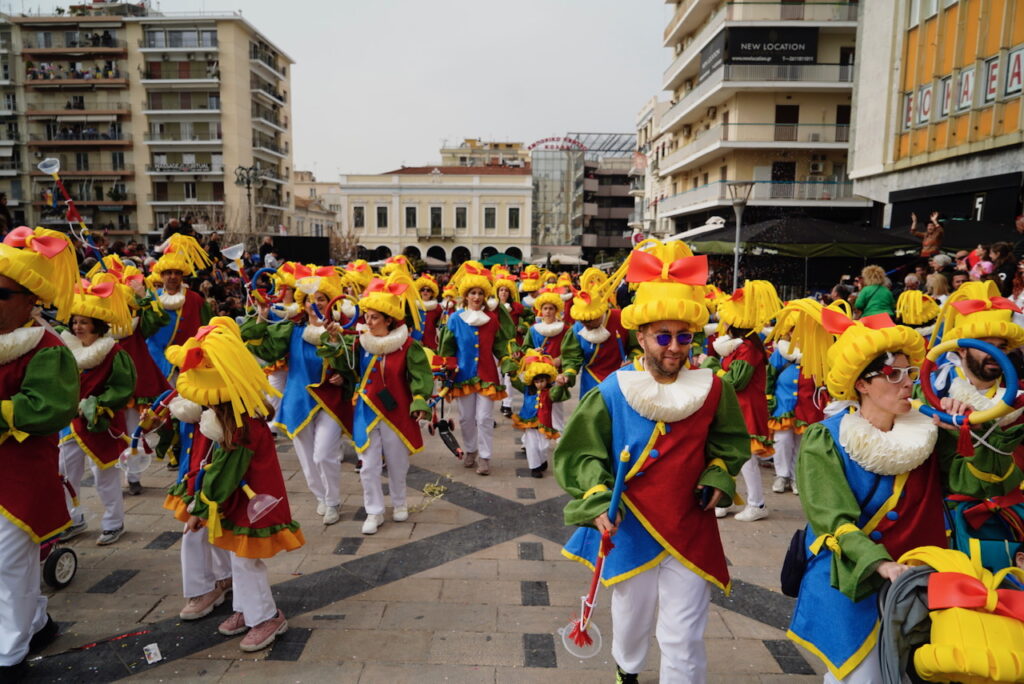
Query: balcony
[
  {"x": 9, "y": 168},
  {"x": 93, "y": 170},
  {"x": 636, "y": 186},
  {"x": 270, "y": 148},
  {"x": 712, "y": 141},
  {"x": 80, "y": 44},
  {"x": 273, "y": 176},
  {"x": 91, "y": 138},
  {"x": 195, "y": 75},
  {"x": 122, "y": 199},
  {"x": 183, "y": 202},
  {"x": 636, "y": 220},
  {"x": 765, "y": 193},
  {"x": 267, "y": 62},
  {"x": 193, "y": 168},
  {"x": 269, "y": 93},
  {"x": 687, "y": 18},
  {"x": 182, "y": 138},
  {"x": 731, "y": 78},
  {"x": 269, "y": 121},
  {"x": 435, "y": 233},
  {"x": 61, "y": 110},
  {"x": 199, "y": 44},
  {"x": 66, "y": 80},
  {"x": 185, "y": 111}
]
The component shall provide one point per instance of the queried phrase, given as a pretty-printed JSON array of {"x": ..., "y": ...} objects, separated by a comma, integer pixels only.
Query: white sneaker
[
  {"x": 792, "y": 486},
  {"x": 372, "y": 522},
  {"x": 752, "y": 513},
  {"x": 400, "y": 514},
  {"x": 779, "y": 484},
  {"x": 331, "y": 515},
  {"x": 321, "y": 508},
  {"x": 721, "y": 512}
]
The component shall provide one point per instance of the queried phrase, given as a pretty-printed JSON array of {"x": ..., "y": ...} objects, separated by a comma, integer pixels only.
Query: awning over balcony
[{"x": 806, "y": 237}]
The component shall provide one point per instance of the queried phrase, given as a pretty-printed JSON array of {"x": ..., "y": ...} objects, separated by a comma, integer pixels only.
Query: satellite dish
[{"x": 50, "y": 165}]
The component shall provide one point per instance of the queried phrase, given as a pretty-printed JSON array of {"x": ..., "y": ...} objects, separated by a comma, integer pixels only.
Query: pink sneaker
[
  {"x": 233, "y": 625},
  {"x": 263, "y": 634},
  {"x": 201, "y": 606}
]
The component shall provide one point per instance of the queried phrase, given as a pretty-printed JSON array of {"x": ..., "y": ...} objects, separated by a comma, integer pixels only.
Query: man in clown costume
[
  {"x": 35, "y": 266},
  {"x": 683, "y": 432}
]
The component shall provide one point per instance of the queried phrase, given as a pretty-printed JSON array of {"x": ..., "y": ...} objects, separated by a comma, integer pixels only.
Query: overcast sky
[{"x": 382, "y": 83}]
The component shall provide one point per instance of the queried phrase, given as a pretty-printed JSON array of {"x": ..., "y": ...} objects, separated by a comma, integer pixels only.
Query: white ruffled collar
[
  {"x": 185, "y": 410},
  {"x": 492, "y": 303},
  {"x": 474, "y": 318},
  {"x": 595, "y": 336},
  {"x": 963, "y": 391},
  {"x": 17, "y": 343},
  {"x": 549, "y": 329},
  {"x": 428, "y": 305},
  {"x": 311, "y": 334},
  {"x": 384, "y": 344},
  {"x": 726, "y": 344},
  {"x": 173, "y": 302},
  {"x": 91, "y": 356},
  {"x": 527, "y": 301},
  {"x": 286, "y": 311},
  {"x": 665, "y": 402},
  {"x": 211, "y": 427},
  {"x": 900, "y": 450},
  {"x": 710, "y": 329},
  {"x": 789, "y": 353}
]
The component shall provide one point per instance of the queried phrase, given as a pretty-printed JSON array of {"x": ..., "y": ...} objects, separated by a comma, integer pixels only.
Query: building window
[
  {"x": 382, "y": 217},
  {"x": 490, "y": 218},
  {"x": 924, "y": 104},
  {"x": 435, "y": 220},
  {"x": 358, "y": 217},
  {"x": 460, "y": 218},
  {"x": 81, "y": 161},
  {"x": 513, "y": 218},
  {"x": 965, "y": 90},
  {"x": 190, "y": 191},
  {"x": 117, "y": 161},
  {"x": 915, "y": 13},
  {"x": 991, "y": 79},
  {"x": 945, "y": 96},
  {"x": 1014, "y": 71},
  {"x": 410, "y": 217}
]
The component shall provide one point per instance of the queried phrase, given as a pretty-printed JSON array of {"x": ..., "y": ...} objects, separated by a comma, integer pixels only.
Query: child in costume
[
  {"x": 392, "y": 379},
  {"x": 742, "y": 362},
  {"x": 314, "y": 410},
  {"x": 217, "y": 373},
  {"x": 38, "y": 397},
  {"x": 430, "y": 311},
  {"x": 472, "y": 344},
  {"x": 783, "y": 383},
  {"x": 872, "y": 480},
  {"x": 507, "y": 296},
  {"x": 536, "y": 415},
  {"x": 98, "y": 432}
]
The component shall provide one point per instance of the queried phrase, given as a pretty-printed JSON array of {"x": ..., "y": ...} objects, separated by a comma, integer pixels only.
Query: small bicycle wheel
[{"x": 60, "y": 567}]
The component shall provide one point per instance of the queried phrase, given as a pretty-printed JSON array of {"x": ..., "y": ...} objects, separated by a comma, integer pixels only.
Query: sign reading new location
[{"x": 771, "y": 46}]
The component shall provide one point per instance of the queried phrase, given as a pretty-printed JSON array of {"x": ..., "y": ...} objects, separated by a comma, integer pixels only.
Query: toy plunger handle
[{"x": 1010, "y": 379}]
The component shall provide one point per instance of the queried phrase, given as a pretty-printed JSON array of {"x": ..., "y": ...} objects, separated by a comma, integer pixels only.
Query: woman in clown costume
[
  {"x": 473, "y": 344},
  {"x": 97, "y": 433},
  {"x": 430, "y": 310},
  {"x": 743, "y": 362},
  {"x": 873, "y": 479},
  {"x": 392, "y": 379},
  {"x": 314, "y": 409},
  {"x": 506, "y": 295}
]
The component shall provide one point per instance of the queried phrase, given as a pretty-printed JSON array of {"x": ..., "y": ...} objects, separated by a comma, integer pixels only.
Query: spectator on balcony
[
  {"x": 931, "y": 237},
  {"x": 107, "y": 39},
  {"x": 875, "y": 297}
]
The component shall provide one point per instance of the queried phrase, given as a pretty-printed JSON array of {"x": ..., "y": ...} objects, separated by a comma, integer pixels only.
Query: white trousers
[
  {"x": 868, "y": 672},
  {"x": 250, "y": 593},
  {"x": 202, "y": 563},
  {"x": 131, "y": 419},
  {"x": 507, "y": 382},
  {"x": 751, "y": 472},
  {"x": 318, "y": 447},
  {"x": 384, "y": 444},
  {"x": 787, "y": 445},
  {"x": 680, "y": 599},
  {"x": 476, "y": 420},
  {"x": 277, "y": 380},
  {"x": 537, "y": 447},
  {"x": 22, "y": 605},
  {"x": 108, "y": 485}
]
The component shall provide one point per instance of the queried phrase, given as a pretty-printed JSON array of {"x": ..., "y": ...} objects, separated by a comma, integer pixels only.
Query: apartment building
[
  {"x": 939, "y": 122},
  {"x": 647, "y": 186},
  {"x": 761, "y": 92},
  {"x": 443, "y": 214},
  {"x": 478, "y": 152},
  {"x": 151, "y": 116}
]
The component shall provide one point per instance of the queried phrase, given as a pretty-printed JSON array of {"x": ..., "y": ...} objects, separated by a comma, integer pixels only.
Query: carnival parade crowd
[{"x": 901, "y": 436}]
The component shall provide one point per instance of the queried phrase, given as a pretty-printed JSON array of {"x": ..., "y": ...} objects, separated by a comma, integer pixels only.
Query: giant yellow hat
[
  {"x": 44, "y": 263},
  {"x": 976, "y": 311},
  {"x": 217, "y": 368},
  {"x": 530, "y": 278},
  {"x": 548, "y": 295},
  {"x": 472, "y": 274},
  {"x": 753, "y": 306},
  {"x": 359, "y": 273},
  {"x": 592, "y": 277},
  {"x": 670, "y": 285},
  {"x": 916, "y": 308},
  {"x": 105, "y": 298},
  {"x": 310, "y": 279},
  {"x": 396, "y": 263},
  {"x": 427, "y": 280},
  {"x": 535, "y": 362},
  {"x": 395, "y": 296},
  {"x": 182, "y": 253}
]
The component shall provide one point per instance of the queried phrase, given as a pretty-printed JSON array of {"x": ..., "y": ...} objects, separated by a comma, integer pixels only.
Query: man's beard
[
  {"x": 978, "y": 369},
  {"x": 654, "y": 364}
]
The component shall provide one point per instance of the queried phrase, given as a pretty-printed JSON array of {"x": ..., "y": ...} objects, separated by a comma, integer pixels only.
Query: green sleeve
[
  {"x": 582, "y": 461},
  {"x": 224, "y": 473},
  {"x": 151, "y": 318},
  {"x": 120, "y": 385},
  {"x": 559, "y": 392},
  {"x": 995, "y": 460},
  {"x": 712, "y": 362},
  {"x": 47, "y": 399},
  {"x": 506, "y": 334},
  {"x": 729, "y": 441},
  {"x": 516, "y": 382},
  {"x": 269, "y": 342},
  {"x": 446, "y": 343},
  {"x": 828, "y": 503},
  {"x": 739, "y": 374},
  {"x": 572, "y": 355},
  {"x": 206, "y": 312},
  {"x": 421, "y": 377}
]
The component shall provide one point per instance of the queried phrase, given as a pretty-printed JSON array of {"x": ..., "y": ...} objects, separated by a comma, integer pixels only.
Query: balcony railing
[
  {"x": 179, "y": 136},
  {"x": 791, "y": 11},
  {"x": 83, "y": 197},
  {"x": 713, "y": 26},
  {"x": 435, "y": 233},
  {"x": 185, "y": 200},
  {"x": 52, "y": 73},
  {"x": 73, "y": 136},
  {"x": 270, "y": 146},
  {"x": 764, "y": 192},
  {"x": 194, "y": 74},
  {"x": 74, "y": 170},
  {"x": 757, "y": 133},
  {"x": 79, "y": 41},
  {"x": 191, "y": 108},
  {"x": 267, "y": 59},
  {"x": 272, "y": 174},
  {"x": 10, "y": 165},
  {"x": 182, "y": 167},
  {"x": 199, "y": 43},
  {"x": 62, "y": 106},
  {"x": 267, "y": 90}
]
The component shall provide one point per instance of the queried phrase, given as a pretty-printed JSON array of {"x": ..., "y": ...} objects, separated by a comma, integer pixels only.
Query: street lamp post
[
  {"x": 249, "y": 177},
  {"x": 739, "y": 192}
]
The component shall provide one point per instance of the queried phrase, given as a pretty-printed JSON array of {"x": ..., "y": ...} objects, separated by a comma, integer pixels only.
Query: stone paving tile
[
  {"x": 475, "y": 648},
  {"x": 506, "y": 592},
  {"x": 440, "y": 617},
  {"x": 434, "y": 674},
  {"x": 249, "y": 670}
]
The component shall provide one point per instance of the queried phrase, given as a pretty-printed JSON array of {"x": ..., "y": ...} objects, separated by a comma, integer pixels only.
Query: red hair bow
[
  {"x": 195, "y": 355},
  {"x": 102, "y": 290},
  {"x": 303, "y": 271},
  {"x": 473, "y": 270},
  {"x": 836, "y": 323},
  {"x": 969, "y": 306},
  {"x": 379, "y": 285},
  {"x": 645, "y": 267},
  {"x": 47, "y": 245},
  {"x": 957, "y": 590},
  {"x": 536, "y": 358}
]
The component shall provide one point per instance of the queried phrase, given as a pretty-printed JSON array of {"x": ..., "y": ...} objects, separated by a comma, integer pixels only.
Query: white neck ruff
[
  {"x": 428, "y": 305},
  {"x": 311, "y": 334},
  {"x": 17, "y": 343},
  {"x": 211, "y": 427},
  {"x": 492, "y": 303},
  {"x": 528, "y": 301},
  {"x": 666, "y": 402},
  {"x": 474, "y": 318},
  {"x": 900, "y": 450},
  {"x": 173, "y": 302},
  {"x": 726, "y": 344},
  {"x": 963, "y": 391},
  {"x": 185, "y": 410},
  {"x": 384, "y": 344},
  {"x": 286, "y": 311},
  {"x": 788, "y": 352},
  {"x": 91, "y": 356},
  {"x": 595, "y": 336},
  {"x": 549, "y": 329}
]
